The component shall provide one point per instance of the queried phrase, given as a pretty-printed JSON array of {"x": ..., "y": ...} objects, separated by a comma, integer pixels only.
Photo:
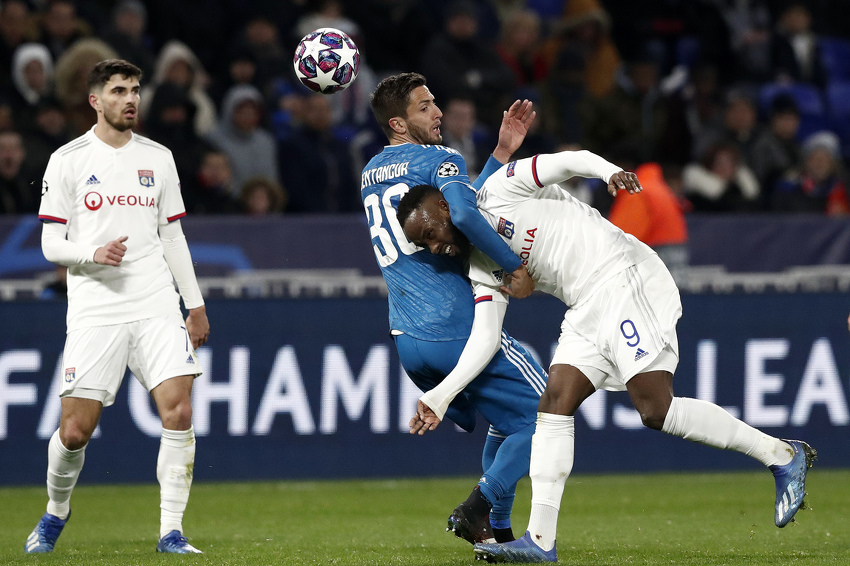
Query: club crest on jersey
[
  {"x": 506, "y": 228},
  {"x": 447, "y": 169},
  {"x": 70, "y": 374},
  {"x": 511, "y": 166},
  {"x": 146, "y": 178}
]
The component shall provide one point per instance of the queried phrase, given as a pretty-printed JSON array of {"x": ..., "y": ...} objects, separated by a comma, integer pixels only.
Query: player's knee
[
  {"x": 178, "y": 417},
  {"x": 73, "y": 435},
  {"x": 653, "y": 416}
]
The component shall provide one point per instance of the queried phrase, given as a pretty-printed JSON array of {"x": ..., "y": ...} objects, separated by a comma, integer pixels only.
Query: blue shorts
[{"x": 506, "y": 393}]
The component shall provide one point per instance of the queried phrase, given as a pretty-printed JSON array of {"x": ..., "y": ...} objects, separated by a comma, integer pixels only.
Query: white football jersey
[
  {"x": 101, "y": 193},
  {"x": 566, "y": 245}
]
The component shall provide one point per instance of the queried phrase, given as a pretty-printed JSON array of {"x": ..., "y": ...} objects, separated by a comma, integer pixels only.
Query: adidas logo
[
  {"x": 189, "y": 360},
  {"x": 92, "y": 181},
  {"x": 640, "y": 353}
]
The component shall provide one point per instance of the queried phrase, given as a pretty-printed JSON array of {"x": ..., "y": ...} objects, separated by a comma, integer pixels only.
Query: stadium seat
[
  {"x": 835, "y": 55},
  {"x": 809, "y": 98}
]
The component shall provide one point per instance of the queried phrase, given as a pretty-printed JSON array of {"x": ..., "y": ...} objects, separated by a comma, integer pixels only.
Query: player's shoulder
[
  {"x": 74, "y": 146},
  {"x": 150, "y": 144}
]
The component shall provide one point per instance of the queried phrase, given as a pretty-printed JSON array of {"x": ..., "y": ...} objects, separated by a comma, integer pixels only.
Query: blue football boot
[
  {"x": 521, "y": 550},
  {"x": 175, "y": 543},
  {"x": 43, "y": 536},
  {"x": 791, "y": 482}
]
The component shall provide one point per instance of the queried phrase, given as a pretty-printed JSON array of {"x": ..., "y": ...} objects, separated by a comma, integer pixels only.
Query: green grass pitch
[{"x": 654, "y": 519}]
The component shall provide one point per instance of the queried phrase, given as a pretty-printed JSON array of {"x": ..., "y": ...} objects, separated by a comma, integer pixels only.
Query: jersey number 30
[{"x": 382, "y": 214}]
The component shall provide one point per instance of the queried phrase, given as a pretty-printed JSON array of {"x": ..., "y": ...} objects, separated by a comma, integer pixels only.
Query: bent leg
[{"x": 176, "y": 460}]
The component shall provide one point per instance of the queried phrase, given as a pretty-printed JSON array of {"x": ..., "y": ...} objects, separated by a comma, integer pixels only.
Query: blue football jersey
[{"x": 429, "y": 295}]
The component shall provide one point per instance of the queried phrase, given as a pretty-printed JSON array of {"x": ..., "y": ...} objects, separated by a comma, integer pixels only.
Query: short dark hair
[
  {"x": 413, "y": 200},
  {"x": 104, "y": 70},
  {"x": 391, "y": 97}
]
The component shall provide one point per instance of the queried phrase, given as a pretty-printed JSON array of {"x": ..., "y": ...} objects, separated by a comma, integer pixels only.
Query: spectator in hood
[
  {"x": 178, "y": 64},
  {"x": 251, "y": 149},
  {"x": 32, "y": 76}
]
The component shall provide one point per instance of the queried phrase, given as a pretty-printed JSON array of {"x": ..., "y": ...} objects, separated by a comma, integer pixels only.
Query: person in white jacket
[{"x": 618, "y": 334}]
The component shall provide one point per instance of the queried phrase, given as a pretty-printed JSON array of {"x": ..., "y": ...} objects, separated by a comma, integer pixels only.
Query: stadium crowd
[{"x": 744, "y": 105}]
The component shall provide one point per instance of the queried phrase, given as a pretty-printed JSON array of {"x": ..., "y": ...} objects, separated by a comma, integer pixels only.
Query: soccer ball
[{"x": 326, "y": 60}]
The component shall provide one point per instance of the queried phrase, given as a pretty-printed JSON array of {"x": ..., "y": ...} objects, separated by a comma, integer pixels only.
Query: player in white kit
[
  {"x": 618, "y": 334},
  {"x": 110, "y": 209}
]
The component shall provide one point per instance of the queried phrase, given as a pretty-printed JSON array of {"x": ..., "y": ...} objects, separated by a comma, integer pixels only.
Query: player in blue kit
[{"x": 430, "y": 332}]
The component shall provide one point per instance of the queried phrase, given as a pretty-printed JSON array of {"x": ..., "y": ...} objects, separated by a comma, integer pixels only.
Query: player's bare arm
[
  {"x": 624, "y": 181},
  {"x": 424, "y": 420},
  {"x": 516, "y": 122},
  {"x": 112, "y": 253},
  {"x": 198, "y": 326}
]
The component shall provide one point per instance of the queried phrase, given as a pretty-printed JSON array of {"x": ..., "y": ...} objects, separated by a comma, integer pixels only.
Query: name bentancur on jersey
[{"x": 382, "y": 173}]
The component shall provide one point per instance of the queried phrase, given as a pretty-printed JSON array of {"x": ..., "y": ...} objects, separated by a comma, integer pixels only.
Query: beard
[
  {"x": 119, "y": 122},
  {"x": 424, "y": 136}
]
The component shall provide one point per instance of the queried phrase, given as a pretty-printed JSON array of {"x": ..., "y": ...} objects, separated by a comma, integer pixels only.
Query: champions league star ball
[{"x": 326, "y": 60}]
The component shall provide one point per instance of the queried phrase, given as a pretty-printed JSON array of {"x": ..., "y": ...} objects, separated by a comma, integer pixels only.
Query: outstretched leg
[{"x": 707, "y": 423}]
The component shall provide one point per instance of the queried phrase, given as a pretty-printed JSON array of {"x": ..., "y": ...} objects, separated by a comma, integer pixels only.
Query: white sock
[
  {"x": 63, "y": 469},
  {"x": 174, "y": 470},
  {"x": 552, "y": 449},
  {"x": 704, "y": 422}
]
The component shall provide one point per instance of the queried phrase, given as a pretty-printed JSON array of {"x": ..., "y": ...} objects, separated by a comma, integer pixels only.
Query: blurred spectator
[
  {"x": 127, "y": 34},
  {"x": 261, "y": 38},
  {"x": 261, "y": 197},
  {"x": 251, "y": 149},
  {"x": 50, "y": 133},
  {"x": 170, "y": 121},
  {"x": 32, "y": 76},
  {"x": 240, "y": 69},
  {"x": 60, "y": 26},
  {"x": 462, "y": 132},
  {"x": 456, "y": 63},
  {"x": 655, "y": 217},
  {"x": 703, "y": 102},
  {"x": 327, "y": 14},
  {"x": 393, "y": 32},
  {"x": 740, "y": 127},
  {"x": 796, "y": 55},
  {"x": 316, "y": 164},
  {"x": 749, "y": 26},
  {"x": 635, "y": 112},
  {"x": 15, "y": 30},
  {"x": 583, "y": 37},
  {"x": 72, "y": 71},
  {"x": 519, "y": 47},
  {"x": 820, "y": 185},
  {"x": 177, "y": 64},
  {"x": 721, "y": 182},
  {"x": 776, "y": 150},
  {"x": 19, "y": 194},
  {"x": 213, "y": 191}
]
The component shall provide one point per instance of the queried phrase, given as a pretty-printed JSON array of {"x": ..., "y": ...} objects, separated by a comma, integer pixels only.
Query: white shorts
[
  {"x": 155, "y": 349},
  {"x": 627, "y": 327}
]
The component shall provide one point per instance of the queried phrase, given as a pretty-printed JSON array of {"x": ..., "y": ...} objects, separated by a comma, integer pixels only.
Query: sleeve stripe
[
  {"x": 534, "y": 171},
  {"x": 176, "y": 217},
  {"x": 46, "y": 218},
  {"x": 483, "y": 299}
]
